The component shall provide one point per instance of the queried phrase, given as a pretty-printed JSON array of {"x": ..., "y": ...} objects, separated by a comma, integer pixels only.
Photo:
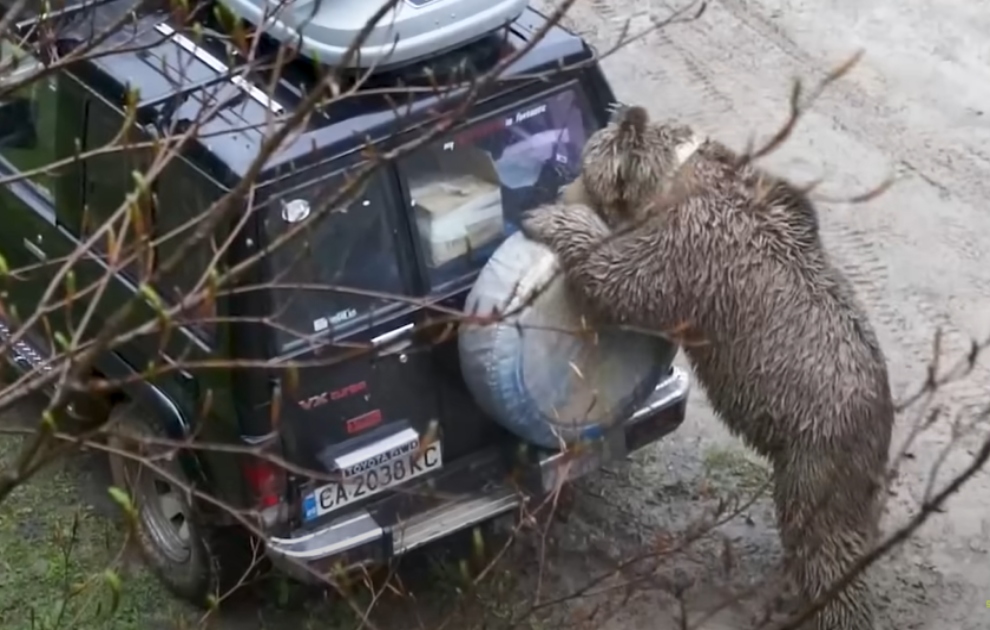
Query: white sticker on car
[
  {"x": 530, "y": 113},
  {"x": 343, "y": 316}
]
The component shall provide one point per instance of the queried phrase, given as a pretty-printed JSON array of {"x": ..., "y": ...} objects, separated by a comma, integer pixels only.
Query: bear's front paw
[
  {"x": 540, "y": 224},
  {"x": 549, "y": 223}
]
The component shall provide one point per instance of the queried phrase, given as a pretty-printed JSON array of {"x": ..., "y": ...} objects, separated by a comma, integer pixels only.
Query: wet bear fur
[{"x": 788, "y": 358}]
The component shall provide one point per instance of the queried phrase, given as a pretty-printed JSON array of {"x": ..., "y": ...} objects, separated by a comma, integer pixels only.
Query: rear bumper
[{"x": 466, "y": 494}]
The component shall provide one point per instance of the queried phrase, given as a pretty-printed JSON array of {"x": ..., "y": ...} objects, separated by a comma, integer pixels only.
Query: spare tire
[{"x": 532, "y": 370}]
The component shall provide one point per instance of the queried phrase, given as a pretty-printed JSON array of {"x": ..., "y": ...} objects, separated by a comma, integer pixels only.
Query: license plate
[{"x": 336, "y": 495}]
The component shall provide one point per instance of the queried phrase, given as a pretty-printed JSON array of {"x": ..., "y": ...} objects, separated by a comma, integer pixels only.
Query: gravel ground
[{"x": 914, "y": 108}]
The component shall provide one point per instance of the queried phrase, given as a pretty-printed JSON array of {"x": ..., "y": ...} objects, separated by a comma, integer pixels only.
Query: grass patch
[
  {"x": 735, "y": 469},
  {"x": 60, "y": 560},
  {"x": 61, "y": 566}
]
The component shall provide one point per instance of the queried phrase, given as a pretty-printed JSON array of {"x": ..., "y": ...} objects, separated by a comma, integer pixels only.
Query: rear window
[
  {"x": 351, "y": 247},
  {"x": 469, "y": 190}
]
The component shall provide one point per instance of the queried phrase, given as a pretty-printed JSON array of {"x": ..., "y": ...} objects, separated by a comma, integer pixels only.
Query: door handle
[
  {"x": 387, "y": 338},
  {"x": 36, "y": 251}
]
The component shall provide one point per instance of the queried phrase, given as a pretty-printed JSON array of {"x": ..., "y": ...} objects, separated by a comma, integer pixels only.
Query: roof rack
[{"x": 323, "y": 30}]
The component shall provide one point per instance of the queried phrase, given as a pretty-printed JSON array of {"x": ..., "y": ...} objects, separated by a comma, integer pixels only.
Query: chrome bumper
[{"x": 359, "y": 539}]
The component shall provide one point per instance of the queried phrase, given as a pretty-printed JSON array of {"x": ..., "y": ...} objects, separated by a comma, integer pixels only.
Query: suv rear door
[{"x": 345, "y": 408}]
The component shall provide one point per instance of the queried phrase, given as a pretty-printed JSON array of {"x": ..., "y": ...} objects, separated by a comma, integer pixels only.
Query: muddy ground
[{"x": 915, "y": 107}]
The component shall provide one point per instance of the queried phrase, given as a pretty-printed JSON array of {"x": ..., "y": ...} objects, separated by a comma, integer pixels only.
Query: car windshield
[
  {"x": 468, "y": 191},
  {"x": 350, "y": 248}
]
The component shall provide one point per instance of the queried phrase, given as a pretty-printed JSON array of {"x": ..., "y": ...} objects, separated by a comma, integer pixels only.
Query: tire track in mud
[
  {"x": 605, "y": 10},
  {"x": 656, "y": 60},
  {"x": 713, "y": 101},
  {"x": 906, "y": 345},
  {"x": 855, "y": 254},
  {"x": 969, "y": 395}
]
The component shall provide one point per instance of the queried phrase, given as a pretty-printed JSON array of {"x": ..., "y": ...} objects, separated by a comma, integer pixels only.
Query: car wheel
[{"x": 196, "y": 561}]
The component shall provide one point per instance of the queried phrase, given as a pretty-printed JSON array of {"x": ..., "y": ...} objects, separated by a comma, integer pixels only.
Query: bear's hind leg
[{"x": 826, "y": 509}]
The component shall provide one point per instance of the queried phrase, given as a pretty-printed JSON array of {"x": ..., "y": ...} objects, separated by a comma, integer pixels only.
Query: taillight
[{"x": 265, "y": 481}]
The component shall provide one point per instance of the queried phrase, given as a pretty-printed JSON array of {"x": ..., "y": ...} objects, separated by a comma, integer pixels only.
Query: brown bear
[{"x": 788, "y": 358}]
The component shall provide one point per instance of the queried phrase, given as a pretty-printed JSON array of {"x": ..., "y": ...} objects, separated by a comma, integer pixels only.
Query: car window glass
[
  {"x": 468, "y": 191},
  {"x": 27, "y": 114},
  {"x": 352, "y": 247},
  {"x": 185, "y": 194},
  {"x": 109, "y": 180}
]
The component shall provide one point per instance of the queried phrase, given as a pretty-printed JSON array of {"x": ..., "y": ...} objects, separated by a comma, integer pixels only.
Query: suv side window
[
  {"x": 353, "y": 247},
  {"x": 27, "y": 115},
  {"x": 468, "y": 191},
  {"x": 184, "y": 193},
  {"x": 178, "y": 194},
  {"x": 109, "y": 179}
]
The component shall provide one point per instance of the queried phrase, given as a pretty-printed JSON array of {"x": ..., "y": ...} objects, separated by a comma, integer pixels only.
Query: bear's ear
[
  {"x": 634, "y": 121},
  {"x": 617, "y": 111}
]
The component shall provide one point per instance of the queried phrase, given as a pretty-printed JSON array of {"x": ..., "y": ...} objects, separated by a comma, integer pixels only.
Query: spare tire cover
[{"x": 533, "y": 370}]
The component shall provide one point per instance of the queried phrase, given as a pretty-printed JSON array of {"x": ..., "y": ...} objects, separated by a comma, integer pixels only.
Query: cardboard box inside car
[{"x": 459, "y": 209}]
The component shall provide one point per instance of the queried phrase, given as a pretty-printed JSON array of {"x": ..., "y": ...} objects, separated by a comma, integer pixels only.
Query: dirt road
[{"x": 917, "y": 106}]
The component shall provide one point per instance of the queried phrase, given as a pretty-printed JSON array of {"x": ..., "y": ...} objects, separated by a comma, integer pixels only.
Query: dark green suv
[{"x": 363, "y": 416}]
